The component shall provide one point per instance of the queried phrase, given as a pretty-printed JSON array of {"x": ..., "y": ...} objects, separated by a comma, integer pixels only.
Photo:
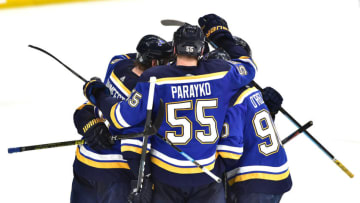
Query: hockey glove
[
  {"x": 93, "y": 88},
  {"x": 215, "y": 28},
  {"x": 93, "y": 130},
  {"x": 145, "y": 194},
  {"x": 273, "y": 100}
]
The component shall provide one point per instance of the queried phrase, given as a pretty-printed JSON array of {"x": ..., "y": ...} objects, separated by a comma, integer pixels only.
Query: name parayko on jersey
[{"x": 188, "y": 91}]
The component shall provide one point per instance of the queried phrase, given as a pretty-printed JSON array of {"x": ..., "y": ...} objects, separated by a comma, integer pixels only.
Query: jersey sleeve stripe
[
  {"x": 257, "y": 168},
  {"x": 117, "y": 118},
  {"x": 237, "y": 150},
  {"x": 244, "y": 94},
  {"x": 100, "y": 157},
  {"x": 131, "y": 148},
  {"x": 229, "y": 155},
  {"x": 113, "y": 117},
  {"x": 191, "y": 79},
  {"x": 115, "y": 80},
  {"x": 104, "y": 165},
  {"x": 133, "y": 145},
  {"x": 263, "y": 176}
]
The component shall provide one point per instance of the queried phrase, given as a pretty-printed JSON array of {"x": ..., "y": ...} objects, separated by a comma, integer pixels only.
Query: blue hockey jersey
[
  {"x": 263, "y": 166},
  {"x": 108, "y": 165},
  {"x": 196, "y": 100}
]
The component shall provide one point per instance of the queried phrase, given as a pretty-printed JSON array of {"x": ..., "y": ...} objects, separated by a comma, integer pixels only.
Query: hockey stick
[
  {"x": 209, "y": 173},
  {"x": 147, "y": 132},
  {"x": 45, "y": 146},
  {"x": 67, "y": 67},
  {"x": 297, "y": 132},
  {"x": 337, "y": 162},
  {"x": 170, "y": 22},
  {"x": 146, "y": 138}
]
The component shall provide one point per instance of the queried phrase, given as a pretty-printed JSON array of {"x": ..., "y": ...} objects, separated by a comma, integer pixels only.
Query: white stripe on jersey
[
  {"x": 119, "y": 117},
  {"x": 134, "y": 142},
  {"x": 182, "y": 163},
  {"x": 258, "y": 168},
  {"x": 101, "y": 157},
  {"x": 238, "y": 150}
]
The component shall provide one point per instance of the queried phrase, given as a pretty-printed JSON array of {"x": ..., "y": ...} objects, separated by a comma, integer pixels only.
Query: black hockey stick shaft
[
  {"x": 213, "y": 176},
  {"x": 45, "y": 146},
  {"x": 337, "y": 162},
  {"x": 77, "y": 142},
  {"x": 297, "y": 132},
  {"x": 67, "y": 67}
]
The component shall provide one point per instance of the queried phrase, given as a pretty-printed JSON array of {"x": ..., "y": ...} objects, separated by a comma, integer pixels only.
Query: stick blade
[{"x": 170, "y": 22}]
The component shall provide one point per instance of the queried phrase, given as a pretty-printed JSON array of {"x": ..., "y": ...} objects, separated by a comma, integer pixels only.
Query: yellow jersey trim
[
  {"x": 263, "y": 176},
  {"x": 122, "y": 86},
  {"x": 113, "y": 118},
  {"x": 245, "y": 93},
  {"x": 137, "y": 150},
  {"x": 228, "y": 155},
  {"x": 104, "y": 165},
  {"x": 192, "y": 77}
]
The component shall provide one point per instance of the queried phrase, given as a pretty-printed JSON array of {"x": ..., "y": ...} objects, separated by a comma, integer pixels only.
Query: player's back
[
  {"x": 262, "y": 167},
  {"x": 196, "y": 99},
  {"x": 108, "y": 164}
]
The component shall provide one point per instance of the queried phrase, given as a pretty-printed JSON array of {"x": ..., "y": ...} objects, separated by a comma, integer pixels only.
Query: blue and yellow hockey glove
[
  {"x": 93, "y": 129},
  {"x": 272, "y": 99},
  {"x": 215, "y": 28},
  {"x": 93, "y": 88}
]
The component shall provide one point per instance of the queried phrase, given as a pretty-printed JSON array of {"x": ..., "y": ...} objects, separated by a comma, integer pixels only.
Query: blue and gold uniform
[
  {"x": 196, "y": 100},
  {"x": 263, "y": 167},
  {"x": 106, "y": 169}
]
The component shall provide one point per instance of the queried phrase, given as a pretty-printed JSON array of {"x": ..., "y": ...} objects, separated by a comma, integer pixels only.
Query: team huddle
[{"x": 216, "y": 142}]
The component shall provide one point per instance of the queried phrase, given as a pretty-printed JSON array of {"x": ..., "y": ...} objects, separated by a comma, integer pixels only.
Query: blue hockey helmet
[
  {"x": 218, "y": 53},
  {"x": 189, "y": 40},
  {"x": 153, "y": 47},
  {"x": 243, "y": 44}
]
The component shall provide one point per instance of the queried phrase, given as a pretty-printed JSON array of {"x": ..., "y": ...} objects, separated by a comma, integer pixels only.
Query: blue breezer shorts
[
  {"x": 89, "y": 191},
  {"x": 212, "y": 193}
]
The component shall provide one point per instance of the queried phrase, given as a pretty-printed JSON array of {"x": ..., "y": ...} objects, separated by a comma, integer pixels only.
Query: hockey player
[
  {"x": 101, "y": 174},
  {"x": 262, "y": 174},
  {"x": 196, "y": 95}
]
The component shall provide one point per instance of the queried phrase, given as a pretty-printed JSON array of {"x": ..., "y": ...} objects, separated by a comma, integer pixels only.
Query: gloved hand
[
  {"x": 93, "y": 87},
  {"x": 98, "y": 137},
  {"x": 93, "y": 130},
  {"x": 272, "y": 99},
  {"x": 215, "y": 28},
  {"x": 145, "y": 194}
]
